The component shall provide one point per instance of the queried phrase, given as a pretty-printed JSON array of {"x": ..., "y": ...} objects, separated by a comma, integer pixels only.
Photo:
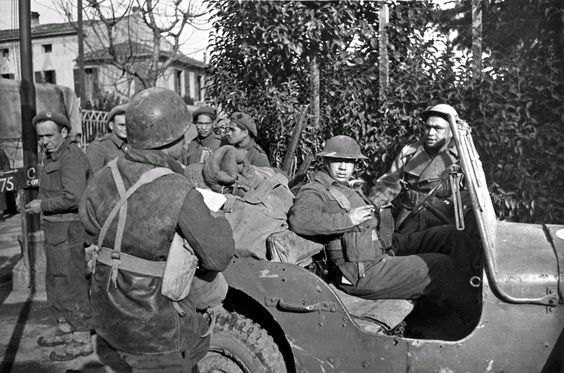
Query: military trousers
[
  {"x": 65, "y": 279},
  {"x": 426, "y": 263}
]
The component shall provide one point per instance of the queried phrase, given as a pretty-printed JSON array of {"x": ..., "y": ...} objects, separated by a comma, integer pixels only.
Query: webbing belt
[
  {"x": 132, "y": 263},
  {"x": 121, "y": 207}
]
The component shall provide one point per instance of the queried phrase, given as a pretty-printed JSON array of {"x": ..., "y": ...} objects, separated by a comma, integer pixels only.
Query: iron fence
[{"x": 93, "y": 126}]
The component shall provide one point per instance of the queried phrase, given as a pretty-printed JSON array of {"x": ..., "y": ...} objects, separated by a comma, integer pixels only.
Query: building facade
[{"x": 55, "y": 53}]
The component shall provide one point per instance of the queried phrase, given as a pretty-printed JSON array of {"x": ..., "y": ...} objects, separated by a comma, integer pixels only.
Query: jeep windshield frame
[{"x": 484, "y": 212}]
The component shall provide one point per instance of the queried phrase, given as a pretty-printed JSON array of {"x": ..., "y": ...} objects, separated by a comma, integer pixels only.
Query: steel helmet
[
  {"x": 156, "y": 117},
  {"x": 440, "y": 110},
  {"x": 341, "y": 147}
]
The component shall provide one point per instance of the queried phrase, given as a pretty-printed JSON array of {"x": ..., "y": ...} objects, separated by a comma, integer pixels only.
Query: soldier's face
[
  {"x": 341, "y": 169},
  {"x": 437, "y": 132},
  {"x": 118, "y": 126},
  {"x": 204, "y": 125},
  {"x": 49, "y": 136},
  {"x": 235, "y": 134}
]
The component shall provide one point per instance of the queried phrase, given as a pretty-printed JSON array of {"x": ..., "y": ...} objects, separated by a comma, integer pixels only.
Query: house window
[
  {"x": 8, "y": 76},
  {"x": 91, "y": 84},
  {"x": 199, "y": 87},
  {"x": 47, "y": 76},
  {"x": 178, "y": 82},
  {"x": 47, "y": 48},
  {"x": 5, "y": 52}
]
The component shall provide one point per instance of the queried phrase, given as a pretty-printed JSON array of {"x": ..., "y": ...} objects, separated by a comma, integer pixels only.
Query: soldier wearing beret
[
  {"x": 63, "y": 179},
  {"x": 242, "y": 132},
  {"x": 112, "y": 145},
  {"x": 207, "y": 141}
]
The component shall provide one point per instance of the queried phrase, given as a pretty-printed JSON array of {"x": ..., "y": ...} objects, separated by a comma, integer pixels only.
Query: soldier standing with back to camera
[
  {"x": 62, "y": 182},
  {"x": 129, "y": 311}
]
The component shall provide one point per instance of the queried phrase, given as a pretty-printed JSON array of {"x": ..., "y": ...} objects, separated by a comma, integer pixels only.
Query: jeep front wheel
[{"x": 239, "y": 345}]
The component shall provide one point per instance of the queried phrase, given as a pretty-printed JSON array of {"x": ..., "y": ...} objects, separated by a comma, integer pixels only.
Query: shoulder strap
[
  {"x": 121, "y": 207},
  {"x": 340, "y": 197}
]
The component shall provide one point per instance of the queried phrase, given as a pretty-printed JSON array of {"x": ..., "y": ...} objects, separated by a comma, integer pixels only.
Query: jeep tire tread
[{"x": 239, "y": 345}]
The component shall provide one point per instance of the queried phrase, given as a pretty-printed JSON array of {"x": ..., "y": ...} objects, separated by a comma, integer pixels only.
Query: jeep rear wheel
[{"x": 239, "y": 345}]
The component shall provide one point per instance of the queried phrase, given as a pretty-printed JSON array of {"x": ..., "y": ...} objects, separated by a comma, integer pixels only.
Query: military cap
[
  {"x": 441, "y": 111},
  {"x": 60, "y": 119},
  {"x": 207, "y": 110},
  {"x": 118, "y": 110},
  {"x": 341, "y": 147},
  {"x": 245, "y": 121}
]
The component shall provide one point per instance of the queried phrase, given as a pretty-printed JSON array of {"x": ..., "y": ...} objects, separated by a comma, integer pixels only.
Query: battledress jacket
[
  {"x": 134, "y": 317},
  {"x": 256, "y": 155},
  {"x": 316, "y": 213},
  {"x": 199, "y": 149},
  {"x": 412, "y": 175},
  {"x": 101, "y": 151}
]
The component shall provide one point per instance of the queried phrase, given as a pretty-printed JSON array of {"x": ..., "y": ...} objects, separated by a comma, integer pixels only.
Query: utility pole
[
  {"x": 81, "y": 88},
  {"x": 32, "y": 234}
]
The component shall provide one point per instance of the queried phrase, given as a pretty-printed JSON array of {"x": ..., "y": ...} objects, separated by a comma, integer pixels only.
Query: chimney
[{"x": 34, "y": 19}]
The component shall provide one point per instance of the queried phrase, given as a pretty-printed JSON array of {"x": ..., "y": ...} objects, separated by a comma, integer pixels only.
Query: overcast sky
[{"x": 196, "y": 40}]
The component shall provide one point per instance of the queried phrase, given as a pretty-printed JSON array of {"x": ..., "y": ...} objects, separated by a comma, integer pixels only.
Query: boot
[
  {"x": 61, "y": 335},
  {"x": 80, "y": 345}
]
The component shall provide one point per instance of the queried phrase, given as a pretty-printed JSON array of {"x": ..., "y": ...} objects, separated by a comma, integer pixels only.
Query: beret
[
  {"x": 208, "y": 110},
  {"x": 246, "y": 121},
  {"x": 43, "y": 116},
  {"x": 120, "y": 109}
]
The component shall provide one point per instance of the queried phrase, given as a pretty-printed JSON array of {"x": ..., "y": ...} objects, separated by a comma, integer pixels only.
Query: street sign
[{"x": 19, "y": 178}]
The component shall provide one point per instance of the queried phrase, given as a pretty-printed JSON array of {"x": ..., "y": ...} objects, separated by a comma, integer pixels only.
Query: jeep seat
[{"x": 375, "y": 316}]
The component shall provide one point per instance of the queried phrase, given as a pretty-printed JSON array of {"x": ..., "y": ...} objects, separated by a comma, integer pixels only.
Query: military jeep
[{"x": 281, "y": 317}]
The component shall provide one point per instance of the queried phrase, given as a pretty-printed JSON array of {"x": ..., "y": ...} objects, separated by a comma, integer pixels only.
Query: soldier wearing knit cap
[
  {"x": 242, "y": 132},
  {"x": 207, "y": 141},
  {"x": 112, "y": 145},
  {"x": 62, "y": 181}
]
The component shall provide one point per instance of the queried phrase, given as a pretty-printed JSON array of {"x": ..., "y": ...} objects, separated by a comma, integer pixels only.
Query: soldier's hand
[
  {"x": 34, "y": 207},
  {"x": 361, "y": 214}
]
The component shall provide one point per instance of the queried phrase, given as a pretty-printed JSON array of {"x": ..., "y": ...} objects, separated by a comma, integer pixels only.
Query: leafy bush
[{"x": 262, "y": 53}]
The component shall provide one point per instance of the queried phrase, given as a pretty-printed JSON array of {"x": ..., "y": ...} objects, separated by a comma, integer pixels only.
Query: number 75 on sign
[{"x": 19, "y": 178}]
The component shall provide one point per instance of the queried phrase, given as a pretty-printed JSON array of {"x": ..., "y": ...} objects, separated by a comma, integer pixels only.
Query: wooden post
[
  {"x": 476, "y": 41},
  {"x": 314, "y": 91},
  {"x": 383, "y": 61},
  {"x": 81, "y": 88}
]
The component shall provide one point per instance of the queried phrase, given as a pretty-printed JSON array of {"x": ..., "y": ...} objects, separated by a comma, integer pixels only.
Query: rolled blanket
[{"x": 223, "y": 167}]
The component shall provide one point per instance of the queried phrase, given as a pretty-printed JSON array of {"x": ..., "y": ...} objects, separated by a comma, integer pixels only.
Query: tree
[{"x": 140, "y": 38}]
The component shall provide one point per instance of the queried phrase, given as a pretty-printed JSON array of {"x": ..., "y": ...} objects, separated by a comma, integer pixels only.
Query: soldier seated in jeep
[{"x": 362, "y": 261}]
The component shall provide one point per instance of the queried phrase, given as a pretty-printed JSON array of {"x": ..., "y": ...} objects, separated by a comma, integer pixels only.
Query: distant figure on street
[
  {"x": 241, "y": 133},
  {"x": 418, "y": 169},
  {"x": 207, "y": 141},
  {"x": 62, "y": 181},
  {"x": 113, "y": 144}
]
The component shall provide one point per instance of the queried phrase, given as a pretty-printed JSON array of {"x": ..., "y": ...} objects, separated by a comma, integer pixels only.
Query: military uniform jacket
[
  {"x": 134, "y": 317},
  {"x": 62, "y": 182},
  {"x": 415, "y": 170},
  {"x": 101, "y": 151},
  {"x": 199, "y": 149},
  {"x": 255, "y": 154},
  {"x": 316, "y": 213}
]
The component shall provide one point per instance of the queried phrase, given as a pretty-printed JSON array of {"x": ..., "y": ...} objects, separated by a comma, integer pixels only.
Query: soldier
[
  {"x": 62, "y": 182},
  {"x": 207, "y": 141},
  {"x": 112, "y": 145},
  {"x": 328, "y": 209},
  {"x": 242, "y": 133},
  {"x": 129, "y": 311},
  {"x": 416, "y": 171}
]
